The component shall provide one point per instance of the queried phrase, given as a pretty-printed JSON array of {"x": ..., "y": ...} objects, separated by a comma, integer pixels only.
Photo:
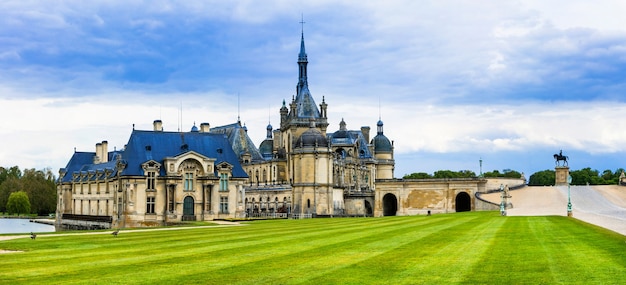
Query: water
[{"x": 22, "y": 226}]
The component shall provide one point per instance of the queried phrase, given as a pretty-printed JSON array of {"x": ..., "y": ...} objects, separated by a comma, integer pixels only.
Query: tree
[
  {"x": 494, "y": 173},
  {"x": 5, "y": 173},
  {"x": 417, "y": 175},
  {"x": 445, "y": 174},
  {"x": 441, "y": 174},
  {"x": 466, "y": 174},
  {"x": 10, "y": 185},
  {"x": 505, "y": 173},
  {"x": 18, "y": 203},
  {"x": 512, "y": 174},
  {"x": 40, "y": 187},
  {"x": 586, "y": 176},
  {"x": 542, "y": 178},
  {"x": 454, "y": 174}
]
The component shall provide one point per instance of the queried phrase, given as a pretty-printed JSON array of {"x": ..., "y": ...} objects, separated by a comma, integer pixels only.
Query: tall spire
[
  {"x": 302, "y": 62},
  {"x": 304, "y": 104}
]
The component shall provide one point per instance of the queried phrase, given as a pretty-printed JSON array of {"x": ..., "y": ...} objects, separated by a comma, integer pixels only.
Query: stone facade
[
  {"x": 299, "y": 170},
  {"x": 159, "y": 178},
  {"x": 424, "y": 196}
]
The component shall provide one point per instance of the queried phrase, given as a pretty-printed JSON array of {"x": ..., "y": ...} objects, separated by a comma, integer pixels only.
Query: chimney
[
  {"x": 158, "y": 125},
  {"x": 97, "y": 158},
  {"x": 104, "y": 152},
  {"x": 205, "y": 127},
  {"x": 366, "y": 133}
]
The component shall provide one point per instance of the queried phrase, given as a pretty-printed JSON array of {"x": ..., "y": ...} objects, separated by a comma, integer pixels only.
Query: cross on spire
[{"x": 302, "y": 22}]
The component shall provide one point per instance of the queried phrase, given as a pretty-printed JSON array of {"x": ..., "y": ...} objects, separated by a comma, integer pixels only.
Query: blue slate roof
[
  {"x": 171, "y": 144},
  {"x": 380, "y": 141},
  {"x": 239, "y": 140},
  {"x": 306, "y": 107},
  {"x": 306, "y": 104},
  {"x": 350, "y": 138},
  {"x": 155, "y": 145}
]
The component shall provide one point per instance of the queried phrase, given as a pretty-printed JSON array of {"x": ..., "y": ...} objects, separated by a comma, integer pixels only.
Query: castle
[{"x": 300, "y": 170}]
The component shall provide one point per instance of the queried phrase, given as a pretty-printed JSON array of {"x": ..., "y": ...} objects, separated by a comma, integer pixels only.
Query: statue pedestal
[{"x": 562, "y": 172}]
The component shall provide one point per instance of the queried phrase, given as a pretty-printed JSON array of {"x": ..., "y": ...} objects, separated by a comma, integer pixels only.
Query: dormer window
[
  {"x": 151, "y": 171},
  {"x": 151, "y": 180}
]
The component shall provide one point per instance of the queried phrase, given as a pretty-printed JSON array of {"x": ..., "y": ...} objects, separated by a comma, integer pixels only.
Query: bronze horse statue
[{"x": 558, "y": 157}]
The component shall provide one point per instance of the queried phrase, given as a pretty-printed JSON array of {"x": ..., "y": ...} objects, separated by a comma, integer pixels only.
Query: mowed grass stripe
[
  {"x": 552, "y": 250},
  {"x": 466, "y": 248},
  {"x": 441, "y": 256},
  {"x": 329, "y": 253},
  {"x": 143, "y": 250},
  {"x": 570, "y": 247},
  {"x": 256, "y": 261},
  {"x": 82, "y": 246}
]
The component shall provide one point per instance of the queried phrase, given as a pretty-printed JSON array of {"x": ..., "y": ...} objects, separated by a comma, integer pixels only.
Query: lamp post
[
  {"x": 569, "y": 201},
  {"x": 502, "y": 202}
]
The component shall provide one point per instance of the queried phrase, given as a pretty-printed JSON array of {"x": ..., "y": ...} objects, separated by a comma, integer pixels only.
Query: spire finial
[
  {"x": 302, "y": 22},
  {"x": 238, "y": 109}
]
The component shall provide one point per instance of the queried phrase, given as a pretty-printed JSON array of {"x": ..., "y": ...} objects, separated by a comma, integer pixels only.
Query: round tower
[
  {"x": 383, "y": 152},
  {"x": 312, "y": 177}
]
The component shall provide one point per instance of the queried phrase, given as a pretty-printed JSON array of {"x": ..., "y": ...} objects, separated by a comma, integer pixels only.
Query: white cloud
[
  {"x": 444, "y": 71},
  {"x": 565, "y": 14}
]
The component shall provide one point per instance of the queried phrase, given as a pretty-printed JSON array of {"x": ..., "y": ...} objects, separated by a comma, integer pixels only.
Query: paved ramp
[
  {"x": 591, "y": 206},
  {"x": 604, "y": 206}
]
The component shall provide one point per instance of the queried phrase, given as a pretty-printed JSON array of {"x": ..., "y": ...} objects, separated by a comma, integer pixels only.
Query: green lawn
[{"x": 465, "y": 248}]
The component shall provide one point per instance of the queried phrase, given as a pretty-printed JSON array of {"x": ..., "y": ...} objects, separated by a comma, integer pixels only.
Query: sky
[{"x": 456, "y": 83}]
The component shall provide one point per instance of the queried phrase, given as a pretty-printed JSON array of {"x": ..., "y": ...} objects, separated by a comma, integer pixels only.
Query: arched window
[{"x": 264, "y": 176}]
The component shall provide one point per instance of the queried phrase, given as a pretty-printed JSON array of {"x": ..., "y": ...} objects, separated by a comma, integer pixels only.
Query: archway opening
[
  {"x": 390, "y": 205},
  {"x": 463, "y": 202},
  {"x": 368, "y": 209},
  {"x": 188, "y": 214}
]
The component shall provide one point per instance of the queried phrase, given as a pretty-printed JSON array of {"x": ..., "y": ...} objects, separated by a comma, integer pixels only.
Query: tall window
[
  {"x": 224, "y": 205},
  {"x": 170, "y": 196},
  {"x": 151, "y": 180},
  {"x": 223, "y": 182},
  {"x": 188, "y": 182},
  {"x": 120, "y": 206},
  {"x": 150, "y": 201}
]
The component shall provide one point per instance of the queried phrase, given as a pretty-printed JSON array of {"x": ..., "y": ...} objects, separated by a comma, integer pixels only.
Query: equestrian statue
[{"x": 560, "y": 157}]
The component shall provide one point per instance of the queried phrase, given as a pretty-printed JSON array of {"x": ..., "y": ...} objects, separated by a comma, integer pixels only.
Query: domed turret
[
  {"x": 311, "y": 137},
  {"x": 266, "y": 148},
  {"x": 381, "y": 142}
]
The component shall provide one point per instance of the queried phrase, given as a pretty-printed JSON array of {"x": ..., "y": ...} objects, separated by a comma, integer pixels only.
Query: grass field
[{"x": 462, "y": 248}]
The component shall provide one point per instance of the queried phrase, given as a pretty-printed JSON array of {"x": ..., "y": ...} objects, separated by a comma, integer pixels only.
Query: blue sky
[{"x": 508, "y": 82}]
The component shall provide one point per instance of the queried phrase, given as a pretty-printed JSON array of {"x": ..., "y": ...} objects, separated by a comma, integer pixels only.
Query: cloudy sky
[{"x": 508, "y": 82}]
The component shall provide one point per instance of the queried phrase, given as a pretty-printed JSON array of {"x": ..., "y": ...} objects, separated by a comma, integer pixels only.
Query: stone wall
[
  {"x": 494, "y": 183},
  {"x": 419, "y": 196}
]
